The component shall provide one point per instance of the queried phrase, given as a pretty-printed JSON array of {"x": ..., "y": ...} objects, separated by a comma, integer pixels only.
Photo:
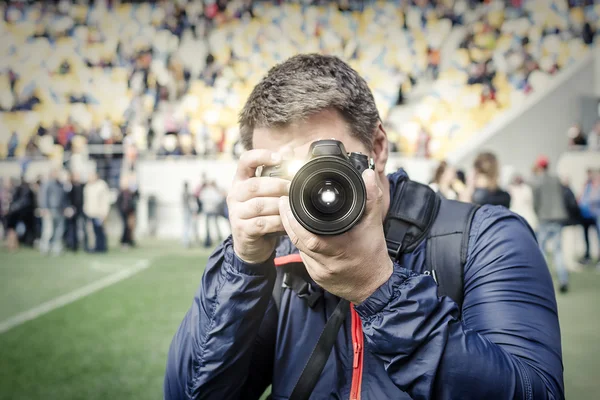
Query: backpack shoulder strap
[
  {"x": 447, "y": 244},
  {"x": 413, "y": 208}
]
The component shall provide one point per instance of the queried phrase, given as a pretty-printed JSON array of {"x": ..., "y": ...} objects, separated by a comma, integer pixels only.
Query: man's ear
[{"x": 380, "y": 149}]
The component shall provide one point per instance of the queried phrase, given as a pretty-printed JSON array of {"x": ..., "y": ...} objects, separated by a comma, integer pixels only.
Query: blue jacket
[{"x": 402, "y": 342}]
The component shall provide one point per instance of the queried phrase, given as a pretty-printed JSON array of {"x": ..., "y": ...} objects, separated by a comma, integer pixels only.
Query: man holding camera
[{"x": 275, "y": 310}]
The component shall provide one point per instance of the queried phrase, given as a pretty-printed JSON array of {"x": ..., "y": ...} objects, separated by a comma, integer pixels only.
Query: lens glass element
[{"x": 328, "y": 196}]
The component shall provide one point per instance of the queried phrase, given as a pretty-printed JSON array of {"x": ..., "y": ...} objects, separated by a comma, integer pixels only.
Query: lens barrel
[{"x": 328, "y": 195}]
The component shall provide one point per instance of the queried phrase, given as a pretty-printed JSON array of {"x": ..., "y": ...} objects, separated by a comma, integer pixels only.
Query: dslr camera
[{"x": 327, "y": 193}]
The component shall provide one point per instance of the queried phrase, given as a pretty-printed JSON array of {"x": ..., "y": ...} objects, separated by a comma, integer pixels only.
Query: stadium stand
[
  {"x": 170, "y": 77},
  {"x": 507, "y": 53},
  {"x": 142, "y": 71}
]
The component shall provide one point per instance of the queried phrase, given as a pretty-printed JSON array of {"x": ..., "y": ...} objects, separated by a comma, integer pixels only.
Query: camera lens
[{"x": 327, "y": 195}]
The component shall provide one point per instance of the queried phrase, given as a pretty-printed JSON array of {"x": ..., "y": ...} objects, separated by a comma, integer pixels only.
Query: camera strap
[{"x": 318, "y": 358}]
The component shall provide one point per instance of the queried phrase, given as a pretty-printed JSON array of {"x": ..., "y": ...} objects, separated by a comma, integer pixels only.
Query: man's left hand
[{"x": 351, "y": 265}]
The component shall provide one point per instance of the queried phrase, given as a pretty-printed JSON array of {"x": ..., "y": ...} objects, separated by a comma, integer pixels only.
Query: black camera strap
[{"x": 318, "y": 358}]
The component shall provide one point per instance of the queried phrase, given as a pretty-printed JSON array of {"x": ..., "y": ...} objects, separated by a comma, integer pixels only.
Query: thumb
[{"x": 374, "y": 193}]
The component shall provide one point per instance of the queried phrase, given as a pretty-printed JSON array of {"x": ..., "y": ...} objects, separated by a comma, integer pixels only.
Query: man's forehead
[{"x": 324, "y": 125}]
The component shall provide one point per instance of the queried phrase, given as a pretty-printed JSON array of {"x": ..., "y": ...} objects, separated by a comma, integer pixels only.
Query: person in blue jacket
[{"x": 403, "y": 340}]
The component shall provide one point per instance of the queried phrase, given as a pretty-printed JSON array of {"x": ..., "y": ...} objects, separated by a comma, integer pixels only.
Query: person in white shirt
[
  {"x": 212, "y": 199},
  {"x": 593, "y": 139},
  {"x": 96, "y": 205},
  {"x": 521, "y": 203},
  {"x": 444, "y": 181}
]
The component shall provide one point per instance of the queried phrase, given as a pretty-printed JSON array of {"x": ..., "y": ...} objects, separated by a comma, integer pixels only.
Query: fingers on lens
[
  {"x": 260, "y": 226},
  {"x": 261, "y": 187},
  {"x": 259, "y": 206}
]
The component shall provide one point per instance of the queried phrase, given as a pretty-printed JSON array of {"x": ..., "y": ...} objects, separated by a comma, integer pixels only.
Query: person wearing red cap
[
  {"x": 549, "y": 205},
  {"x": 542, "y": 162}
]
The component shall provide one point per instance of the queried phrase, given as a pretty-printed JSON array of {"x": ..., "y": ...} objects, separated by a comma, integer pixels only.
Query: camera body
[{"x": 327, "y": 193}]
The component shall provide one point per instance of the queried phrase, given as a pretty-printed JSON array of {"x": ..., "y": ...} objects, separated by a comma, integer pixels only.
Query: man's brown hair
[{"x": 304, "y": 85}]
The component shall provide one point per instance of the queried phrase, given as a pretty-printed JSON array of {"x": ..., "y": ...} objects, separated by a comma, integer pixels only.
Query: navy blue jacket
[{"x": 233, "y": 343}]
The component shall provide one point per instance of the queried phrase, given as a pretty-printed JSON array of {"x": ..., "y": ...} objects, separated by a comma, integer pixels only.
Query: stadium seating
[
  {"x": 100, "y": 56},
  {"x": 523, "y": 48}
]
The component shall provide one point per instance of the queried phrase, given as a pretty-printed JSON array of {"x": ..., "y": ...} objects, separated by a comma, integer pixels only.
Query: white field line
[
  {"x": 106, "y": 267},
  {"x": 73, "y": 296}
]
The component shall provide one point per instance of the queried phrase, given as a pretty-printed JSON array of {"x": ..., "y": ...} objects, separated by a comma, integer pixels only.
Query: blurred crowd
[
  {"x": 60, "y": 211},
  {"x": 170, "y": 76},
  {"x": 206, "y": 201},
  {"x": 578, "y": 139},
  {"x": 545, "y": 201}
]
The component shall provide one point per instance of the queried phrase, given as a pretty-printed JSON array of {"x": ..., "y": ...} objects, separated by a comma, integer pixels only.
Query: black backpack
[{"x": 416, "y": 213}]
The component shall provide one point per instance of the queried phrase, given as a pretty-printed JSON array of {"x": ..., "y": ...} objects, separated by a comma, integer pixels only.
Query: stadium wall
[{"x": 540, "y": 125}]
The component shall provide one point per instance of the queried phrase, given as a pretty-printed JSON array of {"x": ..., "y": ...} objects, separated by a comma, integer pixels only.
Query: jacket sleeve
[
  {"x": 225, "y": 345},
  {"x": 507, "y": 345}
]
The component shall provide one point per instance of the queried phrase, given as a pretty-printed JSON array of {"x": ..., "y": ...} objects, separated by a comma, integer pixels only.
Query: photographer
[{"x": 399, "y": 339}]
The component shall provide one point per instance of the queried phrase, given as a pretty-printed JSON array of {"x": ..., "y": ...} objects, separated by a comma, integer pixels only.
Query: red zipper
[{"x": 358, "y": 346}]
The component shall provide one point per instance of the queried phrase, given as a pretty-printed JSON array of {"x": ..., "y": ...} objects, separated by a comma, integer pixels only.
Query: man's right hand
[{"x": 253, "y": 204}]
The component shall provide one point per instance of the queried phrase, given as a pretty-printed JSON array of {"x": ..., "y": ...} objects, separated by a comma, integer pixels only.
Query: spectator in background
[
  {"x": 444, "y": 180},
  {"x": 126, "y": 204},
  {"x": 573, "y": 212},
  {"x": 190, "y": 218},
  {"x": 549, "y": 205},
  {"x": 521, "y": 201},
  {"x": 587, "y": 34},
  {"x": 484, "y": 184},
  {"x": 13, "y": 144},
  {"x": 576, "y": 136},
  {"x": 593, "y": 139},
  {"x": 433, "y": 62},
  {"x": 423, "y": 141},
  {"x": 20, "y": 214},
  {"x": 212, "y": 202},
  {"x": 76, "y": 219},
  {"x": 4, "y": 202},
  {"x": 52, "y": 204},
  {"x": 588, "y": 218},
  {"x": 96, "y": 206},
  {"x": 591, "y": 199}
]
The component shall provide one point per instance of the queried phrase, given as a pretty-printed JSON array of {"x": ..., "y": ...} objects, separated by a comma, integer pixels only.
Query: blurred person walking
[
  {"x": 52, "y": 204},
  {"x": 4, "y": 204},
  {"x": 593, "y": 138},
  {"x": 521, "y": 201},
  {"x": 126, "y": 204},
  {"x": 549, "y": 205},
  {"x": 212, "y": 202},
  {"x": 576, "y": 136},
  {"x": 96, "y": 206},
  {"x": 76, "y": 232},
  {"x": 190, "y": 216},
  {"x": 444, "y": 180},
  {"x": 21, "y": 209},
  {"x": 483, "y": 185},
  {"x": 590, "y": 190}
]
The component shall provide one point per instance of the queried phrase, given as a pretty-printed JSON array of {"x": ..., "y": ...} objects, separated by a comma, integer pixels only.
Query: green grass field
[{"x": 112, "y": 344}]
